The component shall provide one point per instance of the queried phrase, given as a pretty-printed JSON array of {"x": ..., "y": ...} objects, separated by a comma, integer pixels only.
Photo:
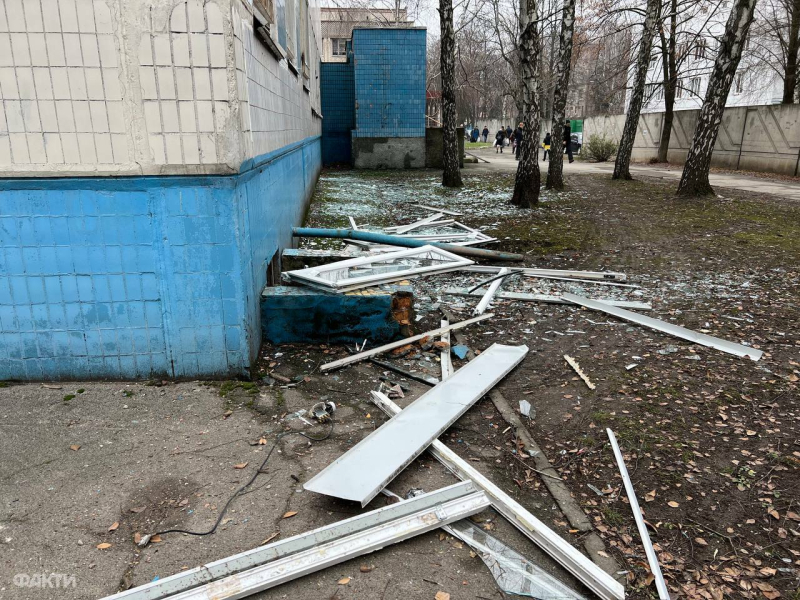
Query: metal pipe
[{"x": 394, "y": 240}]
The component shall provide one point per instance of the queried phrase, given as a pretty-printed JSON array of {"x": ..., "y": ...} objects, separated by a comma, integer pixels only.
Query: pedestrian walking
[
  {"x": 519, "y": 135},
  {"x": 485, "y": 133},
  {"x": 474, "y": 136},
  {"x": 499, "y": 140},
  {"x": 546, "y": 145},
  {"x": 568, "y": 140},
  {"x": 509, "y": 133}
]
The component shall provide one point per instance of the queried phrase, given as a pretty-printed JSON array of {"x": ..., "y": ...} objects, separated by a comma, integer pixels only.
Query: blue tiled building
[
  {"x": 382, "y": 90},
  {"x": 142, "y": 208}
]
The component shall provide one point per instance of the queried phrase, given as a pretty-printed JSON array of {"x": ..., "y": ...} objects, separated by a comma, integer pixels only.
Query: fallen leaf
[
  {"x": 344, "y": 581},
  {"x": 289, "y": 514},
  {"x": 270, "y": 538},
  {"x": 227, "y": 414},
  {"x": 75, "y": 447},
  {"x": 103, "y": 546},
  {"x": 441, "y": 596},
  {"x": 792, "y": 515},
  {"x": 114, "y": 526},
  {"x": 156, "y": 539},
  {"x": 774, "y": 514},
  {"x": 366, "y": 568},
  {"x": 138, "y": 509},
  {"x": 650, "y": 496},
  {"x": 700, "y": 541},
  {"x": 240, "y": 465},
  {"x": 673, "y": 504},
  {"x": 262, "y": 442},
  {"x": 137, "y": 537}
]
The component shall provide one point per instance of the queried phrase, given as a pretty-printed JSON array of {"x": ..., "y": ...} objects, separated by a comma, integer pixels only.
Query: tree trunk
[
  {"x": 555, "y": 174},
  {"x": 526, "y": 185},
  {"x": 450, "y": 159},
  {"x": 694, "y": 181},
  {"x": 670, "y": 68},
  {"x": 790, "y": 79},
  {"x": 623, "y": 162}
]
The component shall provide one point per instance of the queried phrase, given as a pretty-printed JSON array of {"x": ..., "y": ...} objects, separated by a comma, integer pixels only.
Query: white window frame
[
  {"x": 315, "y": 276},
  {"x": 343, "y": 49}
]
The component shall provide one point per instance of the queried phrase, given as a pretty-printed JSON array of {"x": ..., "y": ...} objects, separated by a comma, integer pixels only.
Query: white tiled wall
[
  {"x": 60, "y": 93},
  {"x": 119, "y": 87},
  {"x": 275, "y": 109},
  {"x": 184, "y": 81}
]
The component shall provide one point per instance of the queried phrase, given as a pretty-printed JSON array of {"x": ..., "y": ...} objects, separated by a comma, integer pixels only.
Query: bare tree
[
  {"x": 622, "y": 164},
  {"x": 450, "y": 159},
  {"x": 555, "y": 175},
  {"x": 694, "y": 181},
  {"x": 775, "y": 43},
  {"x": 526, "y": 185}
]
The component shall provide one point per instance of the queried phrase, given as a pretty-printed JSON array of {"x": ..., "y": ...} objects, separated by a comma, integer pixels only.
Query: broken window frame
[{"x": 312, "y": 276}]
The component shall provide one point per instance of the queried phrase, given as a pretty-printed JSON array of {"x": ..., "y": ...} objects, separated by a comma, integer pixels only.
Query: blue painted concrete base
[
  {"x": 305, "y": 315},
  {"x": 126, "y": 278}
]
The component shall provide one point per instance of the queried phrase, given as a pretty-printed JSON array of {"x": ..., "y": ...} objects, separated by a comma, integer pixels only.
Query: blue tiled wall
[
  {"x": 338, "y": 108},
  {"x": 389, "y": 82},
  {"x": 143, "y": 277}
]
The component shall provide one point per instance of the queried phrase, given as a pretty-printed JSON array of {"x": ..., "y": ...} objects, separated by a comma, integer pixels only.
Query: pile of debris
[{"x": 434, "y": 245}]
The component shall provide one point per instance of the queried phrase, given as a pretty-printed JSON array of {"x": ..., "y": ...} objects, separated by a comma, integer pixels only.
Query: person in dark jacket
[
  {"x": 509, "y": 133},
  {"x": 499, "y": 140},
  {"x": 485, "y": 133},
  {"x": 568, "y": 140},
  {"x": 519, "y": 135},
  {"x": 546, "y": 145}
]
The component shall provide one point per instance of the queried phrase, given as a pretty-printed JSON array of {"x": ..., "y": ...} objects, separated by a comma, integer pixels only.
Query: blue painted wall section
[
  {"x": 142, "y": 277},
  {"x": 389, "y": 82},
  {"x": 304, "y": 315},
  {"x": 338, "y": 107}
]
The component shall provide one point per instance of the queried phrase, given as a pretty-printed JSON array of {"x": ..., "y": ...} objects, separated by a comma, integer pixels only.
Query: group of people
[{"x": 505, "y": 136}]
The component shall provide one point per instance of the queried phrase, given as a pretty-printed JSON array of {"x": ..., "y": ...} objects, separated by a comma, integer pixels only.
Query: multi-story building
[
  {"x": 755, "y": 83},
  {"x": 338, "y": 24},
  {"x": 154, "y": 156}
]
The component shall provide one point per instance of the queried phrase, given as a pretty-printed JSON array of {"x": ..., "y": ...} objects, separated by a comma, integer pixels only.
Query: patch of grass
[
  {"x": 469, "y": 145},
  {"x": 81, "y": 390},
  {"x": 601, "y": 417},
  {"x": 3, "y": 384},
  {"x": 69, "y": 397},
  {"x": 612, "y": 517},
  {"x": 128, "y": 393},
  {"x": 228, "y": 386}
]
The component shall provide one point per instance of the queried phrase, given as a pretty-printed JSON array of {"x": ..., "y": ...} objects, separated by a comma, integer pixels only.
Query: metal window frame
[
  {"x": 553, "y": 273},
  {"x": 313, "y": 275},
  {"x": 249, "y": 571},
  {"x": 364, "y": 470}
]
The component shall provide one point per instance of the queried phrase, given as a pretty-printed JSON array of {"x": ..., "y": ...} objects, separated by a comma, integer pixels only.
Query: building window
[
  {"x": 679, "y": 90},
  {"x": 339, "y": 46},
  {"x": 739, "y": 85},
  {"x": 694, "y": 86},
  {"x": 700, "y": 48}
]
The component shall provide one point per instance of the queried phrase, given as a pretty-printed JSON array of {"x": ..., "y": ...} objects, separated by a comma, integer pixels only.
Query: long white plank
[
  {"x": 364, "y": 470},
  {"x": 668, "y": 328}
]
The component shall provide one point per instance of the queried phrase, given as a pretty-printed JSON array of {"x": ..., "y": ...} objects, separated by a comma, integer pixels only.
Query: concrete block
[
  {"x": 305, "y": 315},
  {"x": 388, "y": 153}
]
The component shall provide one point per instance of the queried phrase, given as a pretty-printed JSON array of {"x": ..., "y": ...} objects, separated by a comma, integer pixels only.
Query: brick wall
[
  {"x": 389, "y": 82},
  {"x": 338, "y": 107}
]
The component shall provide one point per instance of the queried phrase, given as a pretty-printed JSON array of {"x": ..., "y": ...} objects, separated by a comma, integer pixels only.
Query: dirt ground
[{"x": 711, "y": 440}]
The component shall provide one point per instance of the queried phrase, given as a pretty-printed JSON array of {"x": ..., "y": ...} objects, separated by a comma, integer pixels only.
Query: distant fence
[{"x": 751, "y": 138}]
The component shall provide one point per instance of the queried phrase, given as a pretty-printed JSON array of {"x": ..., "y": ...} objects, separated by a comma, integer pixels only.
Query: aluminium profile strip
[
  {"x": 441, "y": 223},
  {"x": 655, "y": 568},
  {"x": 186, "y": 580},
  {"x": 592, "y": 576},
  {"x": 533, "y": 272},
  {"x": 420, "y": 223},
  {"x": 272, "y": 574},
  {"x": 441, "y": 210},
  {"x": 490, "y": 293},
  {"x": 336, "y": 364},
  {"x": 668, "y": 328},
  {"x": 543, "y": 298},
  {"x": 444, "y": 358}
]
